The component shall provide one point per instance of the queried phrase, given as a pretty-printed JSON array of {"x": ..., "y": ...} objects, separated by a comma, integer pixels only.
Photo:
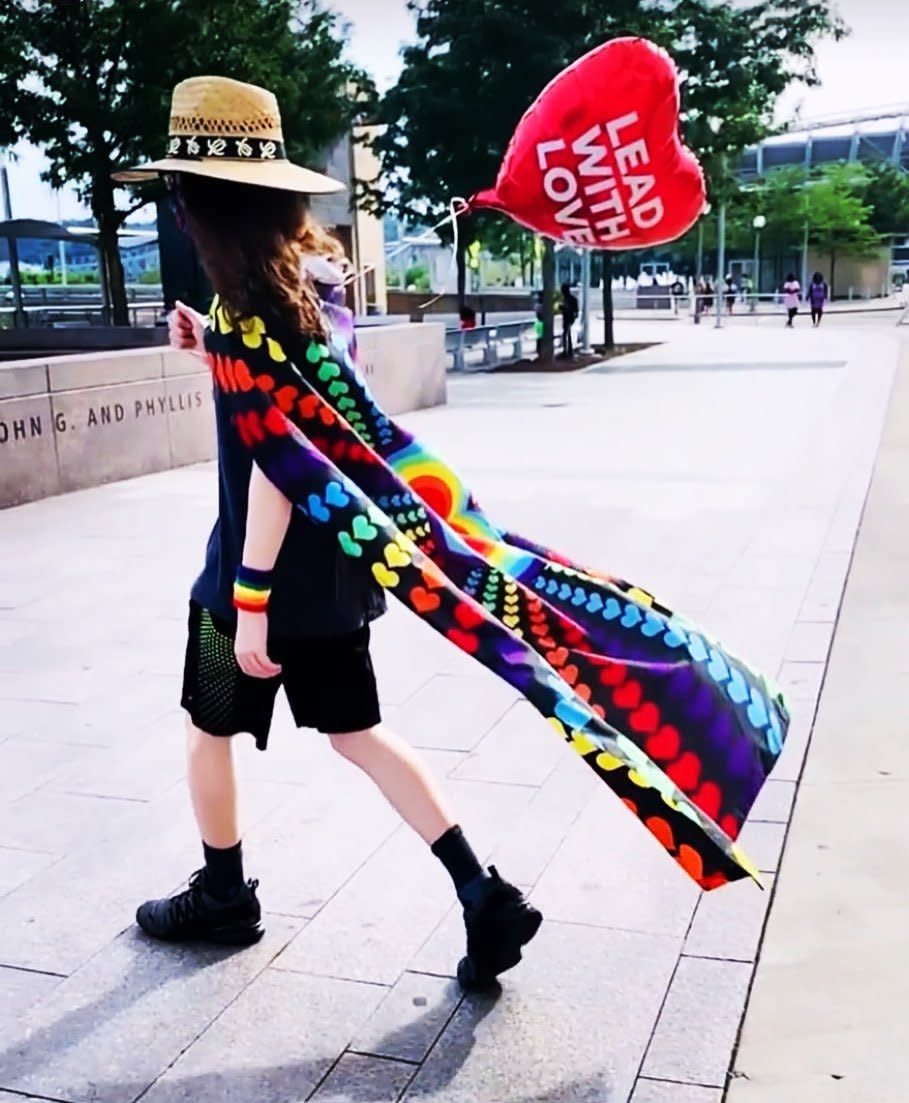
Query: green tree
[
  {"x": 101, "y": 73},
  {"x": 886, "y": 191},
  {"x": 478, "y": 64},
  {"x": 735, "y": 61},
  {"x": 476, "y": 67},
  {"x": 824, "y": 207},
  {"x": 416, "y": 277}
]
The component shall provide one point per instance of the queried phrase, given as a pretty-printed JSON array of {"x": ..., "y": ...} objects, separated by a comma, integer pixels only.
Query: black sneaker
[
  {"x": 499, "y": 922},
  {"x": 195, "y": 915}
]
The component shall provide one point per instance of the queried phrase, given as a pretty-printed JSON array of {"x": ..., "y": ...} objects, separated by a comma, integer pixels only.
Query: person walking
[
  {"x": 818, "y": 296},
  {"x": 708, "y": 294},
  {"x": 732, "y": 292},
  {"x": 792, "y": 292},
  {"x": 277, "y": 604},
  {"x": 570, "y": 311}
]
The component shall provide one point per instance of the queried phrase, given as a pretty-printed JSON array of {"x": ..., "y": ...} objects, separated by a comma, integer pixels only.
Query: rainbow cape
[{"x": 681, "y": 731}]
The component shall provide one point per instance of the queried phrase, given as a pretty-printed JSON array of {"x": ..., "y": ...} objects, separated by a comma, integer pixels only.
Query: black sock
[
  {"x": 223, "y": 869},
  {"x": 456, "y": 854}
]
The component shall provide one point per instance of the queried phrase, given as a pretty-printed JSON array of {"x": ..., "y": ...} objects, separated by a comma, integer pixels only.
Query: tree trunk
[
  {"x": 832, "y": 272},
  {"x": 547, "y": 344},
  {"x": 608, "y": 327},
  {"x": 114, "y": 277},
  {"x": 109, "y": 221}
]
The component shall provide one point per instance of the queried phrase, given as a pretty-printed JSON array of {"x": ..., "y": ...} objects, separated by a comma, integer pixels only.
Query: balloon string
[{"x": 456, "y": 208}]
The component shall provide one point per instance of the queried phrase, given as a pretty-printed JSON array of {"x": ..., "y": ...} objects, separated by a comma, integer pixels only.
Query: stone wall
[{"x": 71, "y": 422}]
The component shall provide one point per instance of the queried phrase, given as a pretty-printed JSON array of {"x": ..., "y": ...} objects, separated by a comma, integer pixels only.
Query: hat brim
[{"x": 265, "y": 174}]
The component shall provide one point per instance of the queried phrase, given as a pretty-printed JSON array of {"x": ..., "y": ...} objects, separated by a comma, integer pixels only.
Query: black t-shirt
[
  {"x": 317, "y": 590},
  {"x": 570, "y": 308}
]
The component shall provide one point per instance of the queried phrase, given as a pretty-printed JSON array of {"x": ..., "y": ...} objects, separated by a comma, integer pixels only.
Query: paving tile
[
  {"x": 777, "y": 571},
  {"x": 409, "y": 1019},
  {"x": 51, "y": 685},
  {"x": 774, "y": 802},
  {"x": 454, "y": 713},
  {"x": 729, "y": 921},
  {"x": 17, "y": 866},
  {"x": 309, "y": 1021},
  {"x": 46, "y": 719},
  {"x": 763, "y": 843},
  {"x": 29, "y": 763},
  {"x": 664, "y": 1091},
  {"x": 541, "y": 1015},
  {"x": 357, "y": 1079},
  {"x": 311, "y": 845},
  {"x": 50, "y": 822},
  {"x": 524, "y": 853},
  {"x": 521, "y": 749},
  {"x": 372, "y": 928},
  {"x": 105, "y": 1033},
  {"x": 822, "y": 602},
  {"x": 625, "y": 882},
  {"x": 21, "y": 990},
  {"x": 809, "y": 642},
  {"x": 698, "y": 1025},
  {"x": 443, "y": 949},
  {"x": 149, "y": 855},
  {"x": 789, "y": 765},
  {"x": 801, "y": 682},
  {"x": 140, "y": 771}
]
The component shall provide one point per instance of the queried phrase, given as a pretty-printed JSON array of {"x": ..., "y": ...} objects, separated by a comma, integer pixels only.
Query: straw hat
[{"x": 232, "y": 131}]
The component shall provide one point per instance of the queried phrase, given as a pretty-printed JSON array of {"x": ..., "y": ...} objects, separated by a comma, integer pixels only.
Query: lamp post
[
  {"x": 758, "y": 222},
  {"x": 720, "y": 262},
  {"x": 585, "y": 301},
  {"x": 699, "y": 264},
  {"x": 700, "y": 257}
]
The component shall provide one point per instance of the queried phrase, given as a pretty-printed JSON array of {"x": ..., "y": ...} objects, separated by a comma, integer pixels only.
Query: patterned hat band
[{"x": 197, "y": 147}]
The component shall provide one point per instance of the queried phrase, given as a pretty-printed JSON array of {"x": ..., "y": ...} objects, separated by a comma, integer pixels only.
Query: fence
[{"x": 485, "y": 346}]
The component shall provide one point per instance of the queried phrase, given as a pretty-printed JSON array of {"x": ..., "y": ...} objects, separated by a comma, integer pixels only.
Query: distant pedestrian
[
  {"x": 732, "y": 292},
  {"x": 538, "y": 316},
  {"x": 468, "y": 317},
  {"x": 792, "y": 293},
  {"x": 570, "y": 311},
  {"x": 818, "y": 296},
  {"x": 708, "y": 294}
]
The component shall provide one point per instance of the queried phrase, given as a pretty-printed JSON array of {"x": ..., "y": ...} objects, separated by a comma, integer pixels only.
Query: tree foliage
[
  {"x": 886, "y": 191},
  {"x": 735, "y": 62},
  {"x": 478, "y": 64},
  {"x": 827, "y": 206},
  {"x": 101, "y": 74}
]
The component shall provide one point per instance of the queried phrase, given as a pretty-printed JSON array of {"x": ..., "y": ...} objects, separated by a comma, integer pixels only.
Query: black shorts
[{"x": 328, "y": 680}]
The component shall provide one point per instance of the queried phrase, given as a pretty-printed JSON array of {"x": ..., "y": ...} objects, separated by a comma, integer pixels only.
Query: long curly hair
[{"x": 252, "y": 242}]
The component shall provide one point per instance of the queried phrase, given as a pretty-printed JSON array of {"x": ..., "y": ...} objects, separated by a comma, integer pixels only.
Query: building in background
[
  {"x": 141, "y": 260},
  {"x": 362, "y": 234}
]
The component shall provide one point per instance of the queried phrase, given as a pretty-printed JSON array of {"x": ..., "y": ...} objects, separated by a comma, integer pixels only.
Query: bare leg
[
  {"x": 212, "y": 786},
  {"x": 402, "y": 777}
]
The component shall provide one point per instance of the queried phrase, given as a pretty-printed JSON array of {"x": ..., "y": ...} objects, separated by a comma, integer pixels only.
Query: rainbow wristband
[{"x": 252, "y": 589}]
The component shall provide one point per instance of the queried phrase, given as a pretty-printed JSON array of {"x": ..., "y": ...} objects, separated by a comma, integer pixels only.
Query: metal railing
[
  {"x": 51, "y": 315},
  {"x": 498, "y": 344}
]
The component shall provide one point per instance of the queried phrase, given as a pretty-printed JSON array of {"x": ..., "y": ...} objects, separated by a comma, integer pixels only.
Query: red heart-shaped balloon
[{"x": 597, "y": 160}]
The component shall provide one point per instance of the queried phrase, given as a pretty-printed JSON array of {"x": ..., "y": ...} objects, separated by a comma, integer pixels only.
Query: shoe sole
[
  {"x": 219, "y": 936},
  {"x": 474, "y": 978}
]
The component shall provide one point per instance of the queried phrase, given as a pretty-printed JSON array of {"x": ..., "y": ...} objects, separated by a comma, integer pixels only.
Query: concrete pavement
[
  {"x": 827, "y": 1019},
  {"x": 727, "y": 476}
]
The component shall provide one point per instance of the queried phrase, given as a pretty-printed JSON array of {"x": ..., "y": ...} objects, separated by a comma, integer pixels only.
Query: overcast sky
[{"x": 866, "y": 70}]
